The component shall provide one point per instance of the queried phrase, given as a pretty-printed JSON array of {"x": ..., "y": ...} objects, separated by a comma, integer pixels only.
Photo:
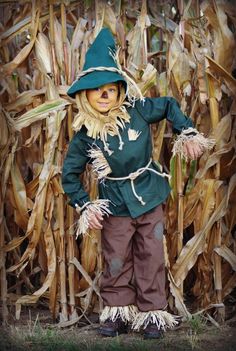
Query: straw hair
[
  {"x": 99, "y": 125},
  {"x": 95, "y": 122}
]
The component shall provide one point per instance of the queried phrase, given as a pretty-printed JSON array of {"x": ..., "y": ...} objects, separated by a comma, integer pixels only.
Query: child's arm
[
  {"x": 91, "y": 212},
  {"x": 190, "y": 143},
  {"x": 74, "y": 165},
  {"x": 156, "y": 109}
]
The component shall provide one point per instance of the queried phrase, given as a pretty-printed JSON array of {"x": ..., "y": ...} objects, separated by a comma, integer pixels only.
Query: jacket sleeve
[
  {"x": 74, "y": 165},
  {"x": 156, "y": 109}
]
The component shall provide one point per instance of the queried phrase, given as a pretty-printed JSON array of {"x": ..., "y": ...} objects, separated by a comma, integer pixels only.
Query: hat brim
[{"x": 94, "y": 80}]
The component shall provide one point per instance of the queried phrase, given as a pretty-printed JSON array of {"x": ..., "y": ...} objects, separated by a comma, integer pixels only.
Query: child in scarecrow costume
[{"x": 113, "y": 135}]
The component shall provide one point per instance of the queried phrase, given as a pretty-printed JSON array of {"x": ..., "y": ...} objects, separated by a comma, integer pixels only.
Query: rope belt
[{"x": 132, "y": 176}]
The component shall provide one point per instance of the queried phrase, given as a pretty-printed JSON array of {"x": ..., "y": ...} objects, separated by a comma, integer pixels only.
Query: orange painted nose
[{"x": 104, "y": 95}]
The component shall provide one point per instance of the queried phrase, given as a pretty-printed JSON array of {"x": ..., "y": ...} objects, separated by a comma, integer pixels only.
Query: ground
[{"x": 35, "y": 331}]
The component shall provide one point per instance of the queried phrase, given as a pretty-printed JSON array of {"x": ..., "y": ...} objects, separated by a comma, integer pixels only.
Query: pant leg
[
  {"x": 149, "y": 264},
  {"x": 116, "y": 287}
]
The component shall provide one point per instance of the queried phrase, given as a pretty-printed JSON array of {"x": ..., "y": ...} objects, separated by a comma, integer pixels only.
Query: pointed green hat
[{"x": 100, "y": 66}]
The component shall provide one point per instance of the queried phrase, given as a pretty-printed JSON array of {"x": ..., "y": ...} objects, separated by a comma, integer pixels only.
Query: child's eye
[{"x": 112, "y": 90}]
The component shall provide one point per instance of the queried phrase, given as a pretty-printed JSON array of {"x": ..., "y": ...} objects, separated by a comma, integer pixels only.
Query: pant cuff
[
  {"x": 162, "y": 319},
  {"x": 125, "y": 313}
]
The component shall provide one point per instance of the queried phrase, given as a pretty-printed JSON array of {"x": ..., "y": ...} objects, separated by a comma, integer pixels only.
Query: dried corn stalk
[{"x": 43, "y": 47}]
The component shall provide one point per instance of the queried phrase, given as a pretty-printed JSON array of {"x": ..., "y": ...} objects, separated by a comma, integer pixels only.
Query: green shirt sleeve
[
  {"x": 74, "y": 165},
  {"x": 156, "y": 109}
]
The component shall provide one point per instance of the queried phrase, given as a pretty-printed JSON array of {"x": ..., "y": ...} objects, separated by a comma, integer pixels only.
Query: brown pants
[{"x": 134, "y": 269}]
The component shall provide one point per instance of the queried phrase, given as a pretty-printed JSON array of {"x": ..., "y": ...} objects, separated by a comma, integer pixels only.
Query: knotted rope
[{"x": 132, "y": 176}]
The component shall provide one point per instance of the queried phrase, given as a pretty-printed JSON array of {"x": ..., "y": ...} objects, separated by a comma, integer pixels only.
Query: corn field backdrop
[{"x": 184, "y": 49}]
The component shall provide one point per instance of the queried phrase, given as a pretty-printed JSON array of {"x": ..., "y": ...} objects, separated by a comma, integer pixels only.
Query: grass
[
  {"x": 59, "y": 340},
  {"x": 36, "y": 337},
  {"x": 197, "y": 325}
]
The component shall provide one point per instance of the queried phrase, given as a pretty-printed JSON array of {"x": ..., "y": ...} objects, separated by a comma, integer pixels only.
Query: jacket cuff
[{"x": 74, "y": 202}]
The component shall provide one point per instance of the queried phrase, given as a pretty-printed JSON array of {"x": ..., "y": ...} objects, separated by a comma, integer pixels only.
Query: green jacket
[{"x": 135, "y": 154}]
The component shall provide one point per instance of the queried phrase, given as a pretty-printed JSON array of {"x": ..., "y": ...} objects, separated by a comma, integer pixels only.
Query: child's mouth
[{"x": 103, "y": 104}]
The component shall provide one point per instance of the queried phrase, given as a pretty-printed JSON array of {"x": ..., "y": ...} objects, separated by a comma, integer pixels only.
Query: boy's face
[{"x": 103, "y": 98}]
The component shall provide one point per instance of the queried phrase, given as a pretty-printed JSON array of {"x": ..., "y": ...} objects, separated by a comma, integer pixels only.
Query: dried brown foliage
[{"x": 170, "y": 48}]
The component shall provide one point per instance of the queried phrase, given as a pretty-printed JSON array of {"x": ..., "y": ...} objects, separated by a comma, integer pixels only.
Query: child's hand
[
  {"x": 192, "y": 149},
  {"x": 91, "y": 215},
  {"x": 94, "y": 219}
]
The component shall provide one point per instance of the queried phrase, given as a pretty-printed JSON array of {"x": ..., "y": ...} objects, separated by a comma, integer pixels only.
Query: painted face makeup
[{"x": 103, "y": 98}]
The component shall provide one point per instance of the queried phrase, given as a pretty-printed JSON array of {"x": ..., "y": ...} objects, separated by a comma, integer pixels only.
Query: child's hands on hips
[{"x": 192, "y": 149}]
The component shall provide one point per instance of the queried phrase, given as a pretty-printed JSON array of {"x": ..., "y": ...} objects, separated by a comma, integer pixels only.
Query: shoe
[
  {"x": 152, "y": 332},
  {"x": 110, "y": 328}
]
